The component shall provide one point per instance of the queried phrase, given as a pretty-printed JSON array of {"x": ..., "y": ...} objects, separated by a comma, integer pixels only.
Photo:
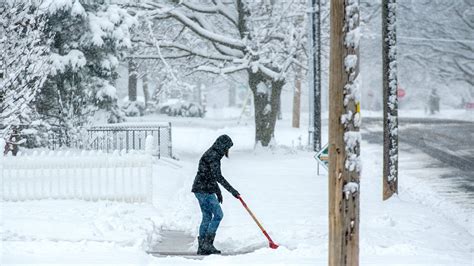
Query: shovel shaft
[{"x": 256, "y": 221}]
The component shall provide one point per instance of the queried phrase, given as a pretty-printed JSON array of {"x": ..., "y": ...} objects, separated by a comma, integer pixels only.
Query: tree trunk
[
  {"x": 146, "y": 92},
  {"x": 198, "y": 94},
  {"x": 279, "y": 114},
  {"x": 266, "y": 93},
  {"x": 132, "y": 81},
  {"x": 297, "y": 102}
]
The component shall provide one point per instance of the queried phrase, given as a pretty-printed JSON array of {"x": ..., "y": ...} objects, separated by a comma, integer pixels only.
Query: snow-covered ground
[{"x": 281, "y": 187}]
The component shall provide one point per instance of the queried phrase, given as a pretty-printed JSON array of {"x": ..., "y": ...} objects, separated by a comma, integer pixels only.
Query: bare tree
[
  {"x": 439, "y": 47},
  {"x": 261, "y": 38},
  {"x": 435, "y": 49}
]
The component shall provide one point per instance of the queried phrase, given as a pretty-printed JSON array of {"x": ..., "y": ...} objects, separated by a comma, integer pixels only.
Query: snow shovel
[{"x": 270, "y": 241}]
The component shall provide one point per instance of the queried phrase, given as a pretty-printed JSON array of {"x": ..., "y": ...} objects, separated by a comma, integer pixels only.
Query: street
[{"x": 450, "y": 142}]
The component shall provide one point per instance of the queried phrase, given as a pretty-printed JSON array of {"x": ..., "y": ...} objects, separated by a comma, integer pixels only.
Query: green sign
[{"x": 323, "y": 156}]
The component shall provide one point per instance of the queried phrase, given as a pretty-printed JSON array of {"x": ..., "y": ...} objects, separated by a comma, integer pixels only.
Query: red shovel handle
[{"x": 271, "y": 243}]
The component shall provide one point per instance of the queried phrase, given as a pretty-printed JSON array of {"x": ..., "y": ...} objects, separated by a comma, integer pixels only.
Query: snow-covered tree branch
[
  {"x": 263, "y": 39},
  {"x": 24, "y": 46}
]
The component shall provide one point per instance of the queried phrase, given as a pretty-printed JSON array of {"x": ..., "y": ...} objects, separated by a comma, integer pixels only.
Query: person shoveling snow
[{"x": 209, "y": 195}]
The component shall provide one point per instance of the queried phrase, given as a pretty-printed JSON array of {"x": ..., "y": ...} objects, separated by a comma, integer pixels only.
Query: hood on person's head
[{"x": 222, "y": 145}]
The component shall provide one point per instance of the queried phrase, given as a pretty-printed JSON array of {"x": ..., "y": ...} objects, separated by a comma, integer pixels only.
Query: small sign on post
[
  {"x": 400, "y": 92},
  {"x": 323, "y": 156}
]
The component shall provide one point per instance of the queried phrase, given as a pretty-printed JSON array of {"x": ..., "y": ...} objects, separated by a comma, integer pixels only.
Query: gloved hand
[
  {"x": 219, "y": 198},
  {"x": 236, "y": 194}
]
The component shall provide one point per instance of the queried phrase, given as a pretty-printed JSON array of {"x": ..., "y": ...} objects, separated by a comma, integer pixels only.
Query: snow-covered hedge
[{"x": 89, "y": 175}]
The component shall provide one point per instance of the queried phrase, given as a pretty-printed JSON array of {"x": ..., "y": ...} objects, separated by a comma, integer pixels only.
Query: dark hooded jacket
[{"x": 209, "y": 171}]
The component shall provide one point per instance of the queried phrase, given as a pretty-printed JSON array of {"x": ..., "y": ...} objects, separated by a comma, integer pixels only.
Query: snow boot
[
  {"x": 209, "y": 240},
  {"x": 202, "y": 248}
]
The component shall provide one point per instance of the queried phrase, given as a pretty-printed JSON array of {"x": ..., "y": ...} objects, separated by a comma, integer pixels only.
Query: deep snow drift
[{"x": 280, "y": 185}]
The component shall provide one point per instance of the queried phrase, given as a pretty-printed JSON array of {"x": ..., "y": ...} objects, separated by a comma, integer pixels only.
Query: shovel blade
[{"x": 273, "y": 245}]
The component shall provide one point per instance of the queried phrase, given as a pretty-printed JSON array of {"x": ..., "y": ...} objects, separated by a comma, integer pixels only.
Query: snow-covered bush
[
  {"x": 134, "y": 108},
  {"x": 177, "y": 107}
]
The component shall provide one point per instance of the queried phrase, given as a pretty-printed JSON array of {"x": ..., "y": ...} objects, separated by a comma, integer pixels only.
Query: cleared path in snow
[
  {"x": 179, "y": 243},
  {"x": 173, "y": 242}
]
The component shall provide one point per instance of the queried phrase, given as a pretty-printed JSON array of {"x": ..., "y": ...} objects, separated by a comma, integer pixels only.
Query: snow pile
[{"x": 65, "y": 229}]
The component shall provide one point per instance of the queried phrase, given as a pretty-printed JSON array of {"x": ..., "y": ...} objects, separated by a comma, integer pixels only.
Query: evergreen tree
[{"x": 89, "y": 37}]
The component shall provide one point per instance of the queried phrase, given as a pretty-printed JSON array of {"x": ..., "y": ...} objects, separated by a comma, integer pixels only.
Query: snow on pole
[
  {"x": 390, "y": 101},
  {"x": 344, "y": 135}
]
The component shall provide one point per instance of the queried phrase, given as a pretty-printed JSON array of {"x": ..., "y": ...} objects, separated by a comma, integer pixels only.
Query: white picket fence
[{"x": 90, "y": 175}]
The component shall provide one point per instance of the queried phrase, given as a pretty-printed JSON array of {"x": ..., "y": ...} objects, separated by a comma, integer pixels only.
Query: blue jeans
[{"x": 211, "y": 213}]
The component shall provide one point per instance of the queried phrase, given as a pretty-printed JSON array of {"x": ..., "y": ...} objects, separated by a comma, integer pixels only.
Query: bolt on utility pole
[
  {"x": 344, "y": 135},
  {"x": 314, "y": 73},
  {"x": 390, "y": 100}
]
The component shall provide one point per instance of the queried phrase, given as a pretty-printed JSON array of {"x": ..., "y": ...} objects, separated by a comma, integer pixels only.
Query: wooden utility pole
[
  {"x": 390, "y": 101},
  {"x": 297, "y": 100},
  {"x": 344, "y": 136},
  {"x": 132, "y": 81}
]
